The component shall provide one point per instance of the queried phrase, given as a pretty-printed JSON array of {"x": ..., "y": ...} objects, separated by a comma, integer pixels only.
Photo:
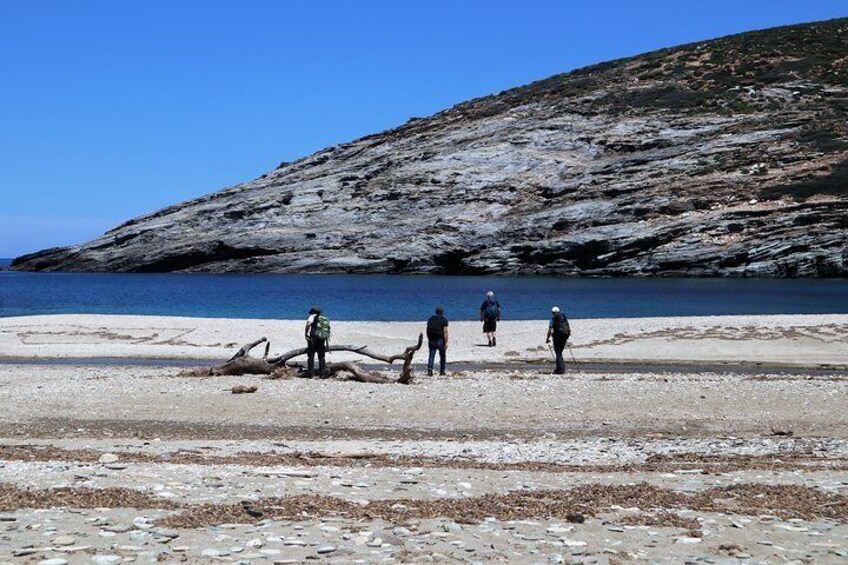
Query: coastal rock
[{"x": 720, "y": 158}]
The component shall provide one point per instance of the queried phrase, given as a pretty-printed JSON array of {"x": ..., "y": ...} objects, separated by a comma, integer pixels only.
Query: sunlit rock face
[{"x": 722, "y": 158}]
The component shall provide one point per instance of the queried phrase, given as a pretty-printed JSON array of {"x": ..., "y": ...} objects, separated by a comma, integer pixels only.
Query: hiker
[
  {"x": 437, "y": 339},
  {"x": 559, "y": 329},
  {"x": 490, "y": 314},
  {"x": 317, "y": 333}
]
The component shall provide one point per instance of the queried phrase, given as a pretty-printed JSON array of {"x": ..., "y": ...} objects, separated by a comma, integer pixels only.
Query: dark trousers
[
  {"x": 559, "y": 345},
  {"x": 314, "y": 346},
  {"x": 436, "y": 345}
]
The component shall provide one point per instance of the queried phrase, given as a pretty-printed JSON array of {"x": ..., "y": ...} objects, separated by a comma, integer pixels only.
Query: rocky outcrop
[{"x": 722, "y": 158}]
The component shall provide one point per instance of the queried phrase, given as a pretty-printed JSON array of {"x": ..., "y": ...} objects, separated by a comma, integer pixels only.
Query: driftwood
[{"x": 242, "y": 363}]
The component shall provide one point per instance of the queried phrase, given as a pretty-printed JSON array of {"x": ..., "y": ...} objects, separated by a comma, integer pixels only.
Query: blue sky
[{"x": 116, "y": 108}]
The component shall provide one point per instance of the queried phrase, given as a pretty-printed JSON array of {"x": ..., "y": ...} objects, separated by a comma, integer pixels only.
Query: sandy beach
[
  {"x": 799, "y": 340},
  {"x": 702, "y": 440}
]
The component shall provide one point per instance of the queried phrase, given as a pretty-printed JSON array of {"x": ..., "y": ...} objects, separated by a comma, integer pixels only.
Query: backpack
[
  {"x": 561, "y": 327},
  {"x": 490, "y": 312},
  {"x": 321, "y": 327}
]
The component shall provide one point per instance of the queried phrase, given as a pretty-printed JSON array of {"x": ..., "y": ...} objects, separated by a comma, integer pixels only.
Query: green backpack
[{"x": 321, "y": 328}]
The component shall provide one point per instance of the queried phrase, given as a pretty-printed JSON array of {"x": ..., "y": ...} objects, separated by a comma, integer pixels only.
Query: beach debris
[
  {"x": 782, "y": 433},
  {"x": 242, "y": 363},
  {"x": 575, "y": 518},
  {"x": 250, "y": 511},
  {"x": 244, "y": 389}
]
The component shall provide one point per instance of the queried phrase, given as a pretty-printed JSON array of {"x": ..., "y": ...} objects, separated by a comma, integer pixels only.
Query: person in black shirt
[
  {"x": 490, "y": 314},
  {"x": 437, "y": 339}
]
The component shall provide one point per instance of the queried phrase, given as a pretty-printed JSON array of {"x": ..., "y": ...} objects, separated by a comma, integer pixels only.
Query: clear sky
[{"x": 110, "y": 109}]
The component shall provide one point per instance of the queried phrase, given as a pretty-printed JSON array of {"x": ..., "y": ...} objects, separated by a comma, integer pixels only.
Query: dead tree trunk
[{"x": 243, "y": 364}]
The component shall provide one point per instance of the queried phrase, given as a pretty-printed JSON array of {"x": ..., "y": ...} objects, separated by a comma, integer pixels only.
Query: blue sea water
[{"x": 395, "y": 297}]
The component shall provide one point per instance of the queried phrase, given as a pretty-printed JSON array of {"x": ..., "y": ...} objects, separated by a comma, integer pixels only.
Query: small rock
[
  {"x": 451, "y": 527},
  {"x": 108, "y": 458},
  {"x": 53, "y": 561},
  {"x": 255, "y": 543},
  {"x": 791, "y": 528},
  {"x": 142, "y": 523},
  {"x": 324, "y": 549},
  {"x": 210, "y": 552},
  {"x": 73, "y": 548},
  {"x": 64, "y": 540},
  {"x": 573, "y": 543},
  {"x": 300, "y": 474},
  {"x": 106, "y": 559},
  {"x": 294, "y": 542}
]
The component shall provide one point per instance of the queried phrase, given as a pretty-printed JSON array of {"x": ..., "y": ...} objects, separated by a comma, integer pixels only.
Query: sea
[{"x": 407, "y": 298}]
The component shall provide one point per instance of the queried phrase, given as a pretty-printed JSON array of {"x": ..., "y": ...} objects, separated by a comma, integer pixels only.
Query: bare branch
[{"x": 245, "y": 349}]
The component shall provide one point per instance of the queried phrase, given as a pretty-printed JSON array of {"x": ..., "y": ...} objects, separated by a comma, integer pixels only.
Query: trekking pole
[{"x": 572, "y": 353}]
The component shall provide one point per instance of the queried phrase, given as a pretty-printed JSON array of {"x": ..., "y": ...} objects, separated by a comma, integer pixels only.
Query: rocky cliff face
[{"x": 722, "y": 158}]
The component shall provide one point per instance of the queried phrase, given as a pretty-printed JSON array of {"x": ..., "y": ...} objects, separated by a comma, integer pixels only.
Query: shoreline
[
  {"x": 778, "y": 341},
  {"x": 588, "y": 366}
]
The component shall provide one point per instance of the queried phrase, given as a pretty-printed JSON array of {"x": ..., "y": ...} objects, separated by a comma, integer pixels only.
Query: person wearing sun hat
[{"x": 559, "y": 330}]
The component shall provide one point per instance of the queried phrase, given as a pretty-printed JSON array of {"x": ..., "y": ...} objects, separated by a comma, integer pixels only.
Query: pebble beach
[{"x": 699, "y": 440}]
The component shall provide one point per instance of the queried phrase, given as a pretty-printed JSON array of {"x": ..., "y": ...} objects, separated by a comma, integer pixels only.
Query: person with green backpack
[{"x": 317, "y": 333}]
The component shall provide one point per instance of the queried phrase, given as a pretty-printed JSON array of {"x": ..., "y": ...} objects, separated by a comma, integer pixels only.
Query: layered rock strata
[{"x": 722, "y": 158}]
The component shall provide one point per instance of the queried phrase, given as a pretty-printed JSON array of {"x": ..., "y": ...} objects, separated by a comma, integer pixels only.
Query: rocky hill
[{"x": 722, "y": 158}]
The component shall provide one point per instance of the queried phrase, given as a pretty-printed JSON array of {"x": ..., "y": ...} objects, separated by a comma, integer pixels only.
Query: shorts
[{"x": 490, "y": 326}]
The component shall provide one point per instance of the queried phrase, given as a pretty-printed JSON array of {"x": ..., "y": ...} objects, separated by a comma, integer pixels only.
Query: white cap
[
  {"x": 555, "y": 309},
  {"x": 490, "y": 294}
]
